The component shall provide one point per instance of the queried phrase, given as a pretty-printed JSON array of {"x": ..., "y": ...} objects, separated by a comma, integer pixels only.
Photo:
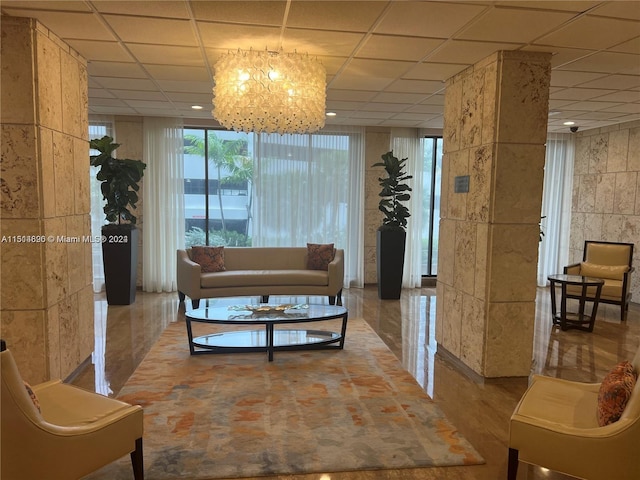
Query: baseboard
[{"x": 79, "y": 369}]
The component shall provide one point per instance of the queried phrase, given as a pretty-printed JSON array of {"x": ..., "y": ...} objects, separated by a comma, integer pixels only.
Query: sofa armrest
[
  {"x": 573, "y": 269},
  {"x": 336, "y": 271},
  {"x": 188, "y": 275}
]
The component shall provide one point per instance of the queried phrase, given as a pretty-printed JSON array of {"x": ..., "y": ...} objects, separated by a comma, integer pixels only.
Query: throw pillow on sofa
[
  {"x": 615, "y": 391},
  {"x": 320, "y": 255},
  {"x": 211, "y": 259}
]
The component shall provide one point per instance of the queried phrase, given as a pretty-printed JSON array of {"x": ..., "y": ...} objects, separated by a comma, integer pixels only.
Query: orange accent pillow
[
  {"x": 319, "y": 255},
  {"x": 32, "y": 394},
  {"x": 615, "y": 391},
  {"x": 211, "y": 259}
]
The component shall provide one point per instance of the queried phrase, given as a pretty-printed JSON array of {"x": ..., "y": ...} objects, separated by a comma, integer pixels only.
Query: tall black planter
[
  {"x": 120, "y": 259},
  {"x": 390, "y": 257}
]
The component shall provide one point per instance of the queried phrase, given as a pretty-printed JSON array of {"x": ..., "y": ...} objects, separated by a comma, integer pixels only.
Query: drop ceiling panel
[
  {"x": 158, "y": 31},
  {"x": 256, "y": 13},
  {"x": 513, "y": 25},
  {"x": 593, "y": 33},
  {"x": 67, "y": 24},
  {"x": 414, "y": 46},
  {"x": 166, "y": 8},
  {"x": 335, "y": 15},
  {"x": 427, "y": 19},
  {"x": 468, "y": 52},
  {"x": 166, "y": 54},
  {"x": 100, "y": 50},
  {"x": 398, "y": 48}
]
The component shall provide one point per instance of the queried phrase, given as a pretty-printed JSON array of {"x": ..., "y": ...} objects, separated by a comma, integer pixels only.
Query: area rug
[{"x": 238, "y": 415}]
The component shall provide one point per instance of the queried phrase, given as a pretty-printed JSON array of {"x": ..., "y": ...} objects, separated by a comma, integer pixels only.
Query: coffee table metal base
[{"x": 269, "y": 339}]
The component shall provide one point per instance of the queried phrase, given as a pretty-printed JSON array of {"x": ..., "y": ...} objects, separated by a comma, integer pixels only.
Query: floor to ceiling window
[
  {"x": 218, "y": 168},
  {"x": 432, "y": 176}
]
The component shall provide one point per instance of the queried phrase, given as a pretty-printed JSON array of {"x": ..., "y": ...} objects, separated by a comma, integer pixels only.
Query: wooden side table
[{"x": 578, "y": 320}]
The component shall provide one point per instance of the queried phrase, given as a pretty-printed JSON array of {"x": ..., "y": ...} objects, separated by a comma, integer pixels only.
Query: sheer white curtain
[
  {"x": 163, "y": 202},
  {"x": 309, "y": 188},
  {"x": 406, "y": 143},
  {"x": 556, "y": 206},
  {"x": 99, "y": 126}
]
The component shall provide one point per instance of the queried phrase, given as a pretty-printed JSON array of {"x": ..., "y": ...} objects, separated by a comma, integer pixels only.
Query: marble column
[
  {"x": 495, "y": 128},
  {"x": 46, "y": 274}
]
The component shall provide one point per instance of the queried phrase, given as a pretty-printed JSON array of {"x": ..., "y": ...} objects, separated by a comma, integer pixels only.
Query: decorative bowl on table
[{"x": 267, "y": 309}]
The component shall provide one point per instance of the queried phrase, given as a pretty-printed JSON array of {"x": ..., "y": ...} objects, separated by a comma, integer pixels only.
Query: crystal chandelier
[{"x": 270, "y": 92}]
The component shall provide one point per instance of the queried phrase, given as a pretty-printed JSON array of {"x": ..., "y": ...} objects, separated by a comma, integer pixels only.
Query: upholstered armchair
[
  {"x": 610, "y": 261},
  {"x": 556, "y": 426},
  {"x": 57, "y": 431}
]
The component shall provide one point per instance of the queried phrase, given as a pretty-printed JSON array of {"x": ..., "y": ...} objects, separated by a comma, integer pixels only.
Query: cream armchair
[
  {"x": 74, "y": 433},
  {"x": 610, "y": 261},
  {"x": 555, "y": 426}
]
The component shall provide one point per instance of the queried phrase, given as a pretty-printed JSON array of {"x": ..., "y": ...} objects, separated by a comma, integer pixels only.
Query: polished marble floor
[{"x": 480, "y": 410}]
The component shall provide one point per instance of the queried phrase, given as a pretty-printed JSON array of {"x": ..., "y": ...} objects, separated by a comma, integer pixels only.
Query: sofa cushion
[
  {"x": 319, "y": 255},
  {"x": 254, "y": 278},
  {"x": 211, "y": 259},
  {"x": 615, "y": 391},
  {"x": 614, "y": 272}
]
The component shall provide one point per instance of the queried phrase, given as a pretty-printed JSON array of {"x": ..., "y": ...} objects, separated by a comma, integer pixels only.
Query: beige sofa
[{"x": 263, "y": 271}]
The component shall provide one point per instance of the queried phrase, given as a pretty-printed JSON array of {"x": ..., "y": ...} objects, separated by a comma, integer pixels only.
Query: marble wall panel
[
  {"x": 519, "y": 172},
  {"x": 457, "y": 202},
  {"x": 76, "y": 248},
  {"x": 598, "y": 153},
  {"x": 444, "y": 186},
  {"x": 69, "y": 334},
  {"x": 81, "y": 177},
  {"x": 593, "y": 227},
  {"x": 70, "y": 87},
  {"x": 513, "y": 265},
  {"x": 63, "y": 165},
  {"x": 55, "y": 257},
  {"x": 452, "y": 114},
  {"x": 471, "y": 113},
  {"x": 47, "y": 173},
  {"x": 587, "y": 193},
  {"x": 605, "y": 190},
  {"x": 49, "y": 85},
  {"x": 490, "y": 102},
  {"x": 637, "y": 207},
  {"x": 85, "y": 317},
  {"x": 54, "y": 344},
  {"x": 371, "y": 190},
  {"x": 19, "y": 172},
  {"x": 612, "y": 228},
  {"x": 472, "y": 337},
  {"x": 446, "y": 256},
  {"x": 440, "y": 307},
  {"x": 481, "y": 266},
  {"x": 581, "y": 155},
  {"x": 618, "y": 151},
  {"x": 576, "y": 233},
  {"x": 624, "y": 199},
  {"x": 22, "y": 265},
  {"x": 465, "y": 257},
  {"x": 24, "y": 331},
  {"x": 84, "y": 100},
  {"x": 452, "y": 320},
  {"x": 633, "y": 161},
  {"x": 525, "y": 79},
  {"x": 17, "y": 92},
  {"x": 480, "y": 183},
  {"x": 575, "y": 193},
  {"x": 509, "y": 349}
]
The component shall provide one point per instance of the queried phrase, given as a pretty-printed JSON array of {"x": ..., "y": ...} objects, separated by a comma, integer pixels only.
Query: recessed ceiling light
[
  {"x": 197, "y": 107},
  {"x": 331, "y": 114},
  {"x": 569, "y": 123}
]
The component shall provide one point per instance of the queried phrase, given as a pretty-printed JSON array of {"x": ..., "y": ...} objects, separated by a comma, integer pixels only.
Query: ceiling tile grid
[{"x": 386, "y": 61}]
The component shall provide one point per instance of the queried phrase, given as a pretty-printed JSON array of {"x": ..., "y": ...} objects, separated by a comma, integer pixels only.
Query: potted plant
[
  {"x": 391, "y": 235},
  {"x": 120, "y": 183}
]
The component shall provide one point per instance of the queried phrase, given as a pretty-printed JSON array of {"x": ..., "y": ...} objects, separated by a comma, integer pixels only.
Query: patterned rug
[{"x": 238, "y": 415}]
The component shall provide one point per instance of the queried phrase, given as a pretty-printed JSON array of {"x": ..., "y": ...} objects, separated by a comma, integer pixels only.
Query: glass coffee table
[
  {"x": 579, "y": 320},
  {"x": 268, "y": 338}
]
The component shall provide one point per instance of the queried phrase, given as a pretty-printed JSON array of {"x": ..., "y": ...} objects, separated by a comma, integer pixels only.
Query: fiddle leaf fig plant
[
  {"x": 394, "y": 192},
  {"x": 120, "y": 180}
]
